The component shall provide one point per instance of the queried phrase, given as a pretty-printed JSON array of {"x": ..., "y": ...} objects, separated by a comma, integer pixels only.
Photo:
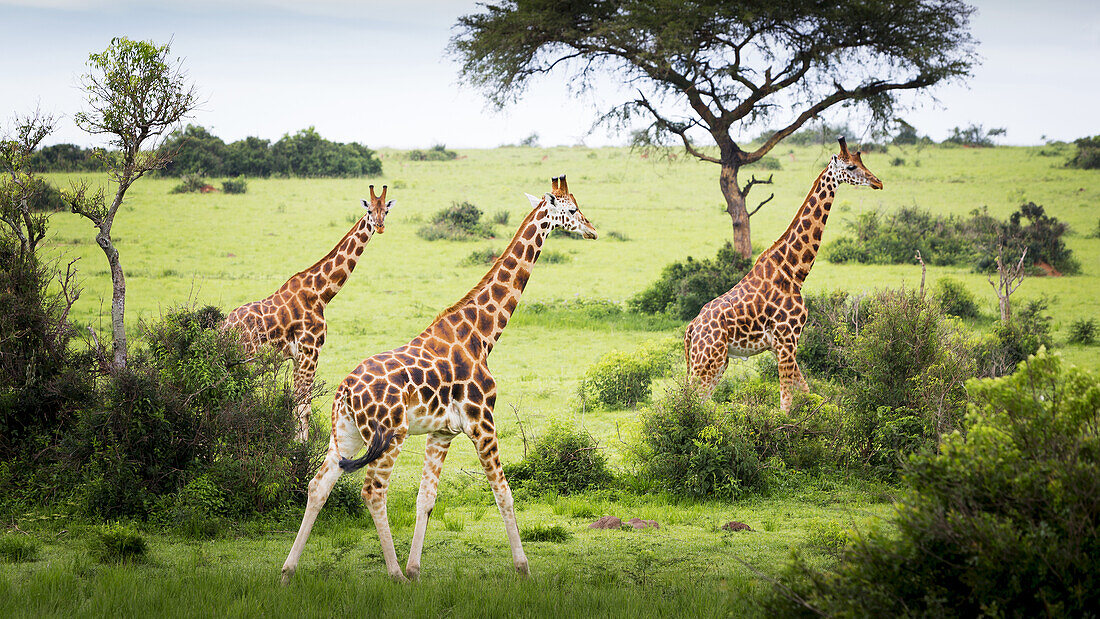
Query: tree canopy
[{"x": 718, "y": 68}]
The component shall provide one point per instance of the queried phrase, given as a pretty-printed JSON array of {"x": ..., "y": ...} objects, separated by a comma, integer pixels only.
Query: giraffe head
[
  {"x": 848, "y": 168},
  {"x": 377, "y": 207},
  {"x": 562, "y": 209}
]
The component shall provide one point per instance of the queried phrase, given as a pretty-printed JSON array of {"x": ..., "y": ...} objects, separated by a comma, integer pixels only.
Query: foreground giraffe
[
  {"x": 764, "y": 311},
  {"x": 438, "y": 384},
  {"x": 293, "y": 319}
]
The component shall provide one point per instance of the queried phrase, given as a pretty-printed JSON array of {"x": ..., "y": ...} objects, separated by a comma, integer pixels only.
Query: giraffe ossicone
[
  {"x": 765, "y": 310},
  {"x": 292, "y": 320},
  {"x": 438, "y": 384}
]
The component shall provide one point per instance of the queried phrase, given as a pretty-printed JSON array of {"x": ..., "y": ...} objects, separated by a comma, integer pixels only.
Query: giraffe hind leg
[{"x": 435, "y": 451}]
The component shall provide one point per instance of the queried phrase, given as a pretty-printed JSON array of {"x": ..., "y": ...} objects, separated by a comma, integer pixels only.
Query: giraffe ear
[
  {"x": 366, "y": 204},
  {"x": 390, "y": 204},
  {"x": 534, "y": 201}
]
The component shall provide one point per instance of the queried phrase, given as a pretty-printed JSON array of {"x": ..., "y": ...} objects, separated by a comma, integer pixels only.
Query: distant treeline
[{"x": 304, "y": 153}]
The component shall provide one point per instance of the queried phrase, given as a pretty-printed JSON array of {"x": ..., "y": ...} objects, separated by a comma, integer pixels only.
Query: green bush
[
  {"x": 830, "y": 319},
  {"x": 501, "y": 218},
  {"x": 616, "y": 380},
  {"x": 18, "y": 548},
  {"x": 235, "y": 185},
  {"x": 954, "y": 299},
  {"x": 459, "y": 222},
  {"x": 480, "y": 257},
  {"x": 346, "y": 497},
  {"x": 45, "y": 197},
  {"x": 1088, "y": 153},
  {"x": 438, "y": 152},
  {"x": 1005, "y": 519},
  {"x": 189, "y": 405},
  {"x": 686, "y": 447},
  {"x": 683, "y": 288},
  {"x": 118, "y": 543},
  {"x": 564, "y": 460},
  {"x": 1014, "y": 342},
  {"x": 189, "y": 183},
  {"x": 911, "y": 365},
  {"x": 1082, "y": 332}
]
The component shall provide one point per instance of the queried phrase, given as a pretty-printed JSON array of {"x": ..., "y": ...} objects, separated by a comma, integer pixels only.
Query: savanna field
[{"x": 189, "y": 250}]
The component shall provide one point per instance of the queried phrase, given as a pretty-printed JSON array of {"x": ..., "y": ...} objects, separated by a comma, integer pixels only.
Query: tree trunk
[
  {"x": 1006, "y": 309},
  {"x": 735, "y": 206},
  {"x": 118, "y": 299}
]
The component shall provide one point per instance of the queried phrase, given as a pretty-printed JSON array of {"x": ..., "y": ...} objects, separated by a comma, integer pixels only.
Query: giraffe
[
  {"x": 765, "y": 311},
  {"x": 293, "y": 319},
  {"x": 438, "y": 384}
]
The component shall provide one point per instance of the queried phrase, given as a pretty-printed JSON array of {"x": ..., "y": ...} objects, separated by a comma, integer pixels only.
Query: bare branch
[{"x": 761, "y": 205}]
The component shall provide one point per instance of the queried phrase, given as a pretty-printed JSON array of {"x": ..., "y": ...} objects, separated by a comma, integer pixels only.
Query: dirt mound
[
  {"x": 607, "y": 522},
  {"x": 733, "y": 525},
  {"x": 638, "y": 523}
]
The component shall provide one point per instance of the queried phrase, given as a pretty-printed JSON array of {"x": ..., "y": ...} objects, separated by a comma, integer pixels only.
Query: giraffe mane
[
  {"x": 331, "y": 253},
  {"x": 492, "y": 270},
  {"x": 782, "y": 237}
]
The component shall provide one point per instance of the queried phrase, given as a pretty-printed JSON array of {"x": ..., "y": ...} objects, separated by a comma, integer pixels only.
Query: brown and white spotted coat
[
  {"x": 765, "y": 311},
  {"x": 438, "y": 384},
  {"x": 293, "y": 319}
]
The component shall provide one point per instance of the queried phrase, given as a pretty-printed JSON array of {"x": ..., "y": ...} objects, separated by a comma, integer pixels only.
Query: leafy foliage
[
  {"x": 235, "y": 185},
  {"x": 954, "y": 298},
  {"x": 1082, "y": 332},
  {"x": 970, "y": 241},
  {"x": 459, "y": 222},
  {"x": 974, "y": 136},
  {"x": 617, "y": 380},
  {"x": 189, "y": 406},
  {"x": 118, "y": 543},
  {"x": 189, "y": 183},
  {"x": 1088, "y": 153},
  {"x": 438, "y": 152},
  {"x": 685, "y": 287},
  {"x": 1004, "y": 519},
  {"x": 565, "y": 460}
]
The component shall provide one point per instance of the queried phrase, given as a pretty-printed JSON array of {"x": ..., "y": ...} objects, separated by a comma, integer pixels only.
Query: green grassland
[{"x": 229, "y": 249}]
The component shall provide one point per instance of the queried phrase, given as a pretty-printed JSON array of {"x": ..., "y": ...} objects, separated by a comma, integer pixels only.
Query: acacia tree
[
  {"x": 136, "y": 93},
  {"x": 714, "y": 67}
]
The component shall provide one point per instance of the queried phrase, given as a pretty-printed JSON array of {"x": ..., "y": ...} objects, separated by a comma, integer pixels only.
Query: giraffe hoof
[
  {"x": 398, "y": 576},
  {"x": 522, "y": 569},
  {"x": 288, "y": 572},
  {"x": 413, "y": 572}
]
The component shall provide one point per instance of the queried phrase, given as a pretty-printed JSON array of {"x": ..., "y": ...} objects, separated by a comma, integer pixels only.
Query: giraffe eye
[{"x": 851, "y": 167}]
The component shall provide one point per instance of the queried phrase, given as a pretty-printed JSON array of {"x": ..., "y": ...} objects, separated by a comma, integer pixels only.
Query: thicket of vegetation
[
  {"x": 564, "y": 460},
  {"x": 438, "y": 152},
  {"x": 304, "y": 154},
  {"x": 1088, "y": 153},
  {"x": 461, "y": 221},
  {"x": 947, "y": 240},
  {"x": 1004, "y": 518},
  {"x": 683, "y": 288}
]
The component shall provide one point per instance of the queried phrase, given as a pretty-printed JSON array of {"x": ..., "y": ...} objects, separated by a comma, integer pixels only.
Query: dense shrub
[
  {"x": 42, "y": 379},
  {"x": 189, "y": 183},
  {"x": 459, "y": 222},
  {"x": 1082, "y": 332},
  {"x": 617, "y": 380},
  {"x": 481, "y": 257},
  {"x": 1088, "y": 153},
  {"x": 685, "y": 287},
  {"x": 190, "y": 405},
  {"x": 1015, "y": 341},
  {"x": 304, "y": 153},
  {"x": 954, "y": 299},
  {"x": 438, "y": 152},
  {"x": 948, "y": 240},
  {"x": 45, "y": 197},
  {"x": 830, "y": 318},
  {"x": 565, "y": 460},
  {"x": 911, "y": 365},
  {"x": 235, "y": 185},
  {"x": 64, "y": 158},
  {"x": 688, "y": 447},
  {"x": 1004, "y": 520}
]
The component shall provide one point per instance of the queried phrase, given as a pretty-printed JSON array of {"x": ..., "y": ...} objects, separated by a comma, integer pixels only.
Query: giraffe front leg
[
  {"x": 435, "y": 451},
  {"x": 485, "y": 441},
  {"x": 306, "y": 368},
  {"x": 375, "y": 487}
]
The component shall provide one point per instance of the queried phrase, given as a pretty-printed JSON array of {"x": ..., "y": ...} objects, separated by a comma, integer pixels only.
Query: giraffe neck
[
  {"x": 328, "y": 275},
  {"x": 795, "y": 250},
  {"x": 491, "y": 302}
]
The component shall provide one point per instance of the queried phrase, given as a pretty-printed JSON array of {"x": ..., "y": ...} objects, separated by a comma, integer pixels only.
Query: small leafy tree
[
  {"x": 18, "y": 185},
  {"x": 136, "y": 93}
]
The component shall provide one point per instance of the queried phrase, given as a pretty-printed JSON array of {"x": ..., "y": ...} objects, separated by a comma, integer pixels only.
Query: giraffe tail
[
  {"x": 687, "y": 343},
  {"x": 379, "y": 443}
]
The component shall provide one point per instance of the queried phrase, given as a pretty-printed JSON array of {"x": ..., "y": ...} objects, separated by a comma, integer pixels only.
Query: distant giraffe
[
  {"x": 438, "y": 384},
  {"x": 293, "y": 319},
  {"x": 765, "y": 311}
]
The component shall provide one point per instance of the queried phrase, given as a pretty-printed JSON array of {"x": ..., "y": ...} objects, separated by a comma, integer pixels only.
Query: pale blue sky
[{"x": 375, "y": 72}]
